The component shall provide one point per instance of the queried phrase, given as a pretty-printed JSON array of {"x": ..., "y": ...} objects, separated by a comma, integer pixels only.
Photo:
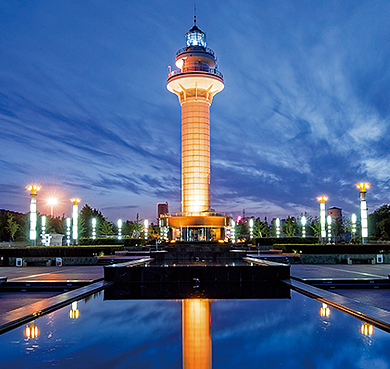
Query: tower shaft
[{"x": 195, "y": 165}]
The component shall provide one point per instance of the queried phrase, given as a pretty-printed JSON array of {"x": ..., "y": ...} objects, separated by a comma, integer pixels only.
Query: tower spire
[{"x": 194, "y": 14}]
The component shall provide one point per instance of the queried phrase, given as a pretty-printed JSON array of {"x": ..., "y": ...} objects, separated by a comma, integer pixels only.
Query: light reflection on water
[{"x": 198, "y": 333}]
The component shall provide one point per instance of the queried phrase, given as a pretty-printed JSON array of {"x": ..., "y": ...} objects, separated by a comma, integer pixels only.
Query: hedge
[
  {"x": 334, "y": 249},
  {"x": 59, "y": 251},
  {"x": 132, "y": 242},
  {"x": 270, "y": 241},
  {"x": 100, "y": 241}
]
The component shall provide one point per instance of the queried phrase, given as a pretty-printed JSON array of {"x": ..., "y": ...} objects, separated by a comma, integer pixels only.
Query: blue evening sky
[{"x": 84, "y": 109}]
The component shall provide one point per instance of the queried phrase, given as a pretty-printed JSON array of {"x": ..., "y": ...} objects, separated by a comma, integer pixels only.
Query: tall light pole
[
  {"x": 303, "y": 222},
  {"x": 322, "y": 200},
  {"x": 33, "y": 212},
  {"x": 52, "y": 201},
  {"x": 75, "y": 216},
  {"x": 363, "y": 209}
]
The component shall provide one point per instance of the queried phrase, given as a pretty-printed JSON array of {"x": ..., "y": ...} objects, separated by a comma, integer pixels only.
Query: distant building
[
  {"x": 335, "y": 212},
  {"x": 52, "y": 239},
  {"x": 162, "y": 209}
]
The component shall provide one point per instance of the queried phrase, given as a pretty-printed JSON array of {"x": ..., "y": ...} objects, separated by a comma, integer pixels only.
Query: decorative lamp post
[
  {"x": 146, "y": 225},
  {"x": 52, "y": 201},
  {"x": 233, "y": 231},
  {"x": 277, "y": 225},
  {"x": 43, "y": 229},
  {"x": 68, "y": 222},
  {"x": 119, "y": 229},
  {"x": 33, "y": 212},
  {"x": 75, "y": 216},
  {"x": 303, "y": 222},
  {"x": 322, "y": 200},
  {"x": 94, "y": 228},
  {"x": 363, "y": 209},
  {"x": 353, "y": 220},
  {"x": 329, "y": 221},
  {"x": 251, "y": 228}
]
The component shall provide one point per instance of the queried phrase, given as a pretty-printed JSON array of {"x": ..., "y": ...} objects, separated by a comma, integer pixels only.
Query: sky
[{"x": 84, "y": 109}]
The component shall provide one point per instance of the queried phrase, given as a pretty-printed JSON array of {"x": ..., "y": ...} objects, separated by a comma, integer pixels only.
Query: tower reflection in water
[{"x": 196, "y": 334}]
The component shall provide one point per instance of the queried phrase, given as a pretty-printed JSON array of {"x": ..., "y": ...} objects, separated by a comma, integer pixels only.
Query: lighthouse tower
[{"x": 195, "y": 82}]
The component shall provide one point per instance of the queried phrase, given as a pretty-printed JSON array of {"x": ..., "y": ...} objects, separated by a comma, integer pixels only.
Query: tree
[
  {"x": 86, "y": 215},
  {"x": 315, "y": 226},
  {"x": 377, "y": 222},
  {"x": 241, "y": 229},
  {"x": 261, "y": 228},
  {"x": 134, "y": 228},
  {"x": 106, "y": 228},
  {"x": 290, "y": 227},
  {"x": 338, "y": 227},
  {"x": 12, "y": 227}
]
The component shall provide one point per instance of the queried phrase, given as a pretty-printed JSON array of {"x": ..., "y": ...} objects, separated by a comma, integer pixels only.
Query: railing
[
  {"x": 212, "y": 71},
  {"x": 197, "y": 214},
  {"x": 195, "y": 48}
]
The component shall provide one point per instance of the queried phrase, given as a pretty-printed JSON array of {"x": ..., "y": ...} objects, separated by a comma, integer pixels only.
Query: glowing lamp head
[
  {"x": 363, "y": 186},
  {"x": 75, "y": 201},
  {"x": 94, "y": 222},
  {"x": 52, "y": 201},
  {"x": 329, "y": 219},
  {"x": 251, "y": 223},
  {"x": 33, "y": 189},
  {"x": 322, "y": 199},
  {"x": 353, "y": 218},
  {"x": 120, "y": 223}
]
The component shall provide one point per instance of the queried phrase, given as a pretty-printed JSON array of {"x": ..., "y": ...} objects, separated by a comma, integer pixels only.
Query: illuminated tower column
[
  {"x": 322, "y": 200},
  {"x": 75, "y": 216},
  {"x": 196, "y": 334},
  {"x": 195, "y": 83},
  {"x": 363, "y": 209},
  {"x": 33, "y": 212}
]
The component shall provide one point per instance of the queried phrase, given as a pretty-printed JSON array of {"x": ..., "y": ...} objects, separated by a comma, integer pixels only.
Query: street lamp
[
  {"x": 303, "y": 222},
  {"x": 251, "y": 228},
  {"x": 353, "y": 220},
  {"x": 52, "y": 201},
  {"x": 363, "y": 209},
  {"x": 33, "y": 212},
  {"x": 119, "y": 229},
  {"x": 322, "y": 200},
  {"x": 329, "y": 219},
  {"x": 277, "y": 225},
  {"x": 43, "y": 229},
  {"x": 146, "y": 225},
  {"x": 68, "y": 221},
  {"x": 94, "y": 228},
  {"x": 75, "y": 215}
]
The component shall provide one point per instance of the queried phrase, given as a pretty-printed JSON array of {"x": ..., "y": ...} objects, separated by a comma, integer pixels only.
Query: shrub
[{"x": 100, "y": 241}]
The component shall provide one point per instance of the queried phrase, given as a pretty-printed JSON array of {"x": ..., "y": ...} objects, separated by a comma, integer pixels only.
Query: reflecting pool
[{"x": 196, "y": 333}]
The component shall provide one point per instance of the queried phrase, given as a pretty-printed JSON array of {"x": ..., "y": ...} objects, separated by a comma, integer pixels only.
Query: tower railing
[
  {"x": 197, "y": 214},
  {"x": 196, "y": 69},
  {"x": 194, "y": 48}
]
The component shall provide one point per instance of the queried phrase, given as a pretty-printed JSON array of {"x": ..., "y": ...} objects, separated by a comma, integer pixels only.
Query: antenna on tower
[{"x": 194, "y": 14}]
